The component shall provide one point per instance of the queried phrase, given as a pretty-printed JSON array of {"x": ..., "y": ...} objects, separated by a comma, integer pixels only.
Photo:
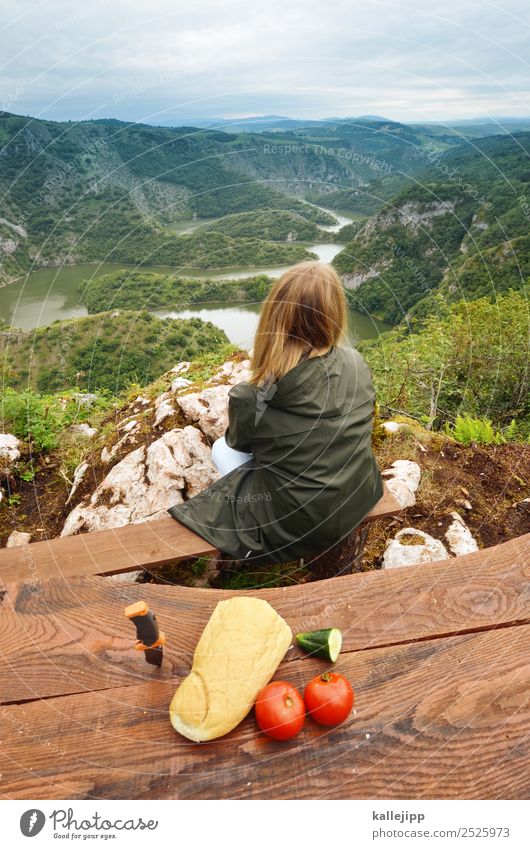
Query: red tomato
[
  {"x": 280, "y": 710},
  {"x": 329, "y": 698}
]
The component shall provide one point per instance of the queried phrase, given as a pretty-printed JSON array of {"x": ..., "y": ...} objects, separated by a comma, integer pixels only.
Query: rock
[
  {"x": 459, "y": 537},
  {"x": 180, "y": 368},
  {"x": 125, "y": 577},
  {"x": 353, "y": 281},
  {"x": 208, "y": 409},
  {"x": 84, "y": 430},
  {"x": 78, "y": 477},
  {"x": 85, "y": 398},
  {"x": 231, "y": 373},
  {"x": 129, "y": 427},
  {"x": 392, "y": 427},
  {"x": 402, "y": 479},
  {"x": 146, "y": 482},
  {"x": 18, "y": 228},
  {"x": 18, "y": 538},
  {"x": 106, "y": 455},
  {"x": 163, "y": 408},
  {"x": 9, "y": 451},
  {"x": 8, "y": 246},
  {"x": 143, "y": 402},
  {"x": 180, "y": 383},
  {"x": 426, "y": 549},
  {"x": 109, "y": 454}
]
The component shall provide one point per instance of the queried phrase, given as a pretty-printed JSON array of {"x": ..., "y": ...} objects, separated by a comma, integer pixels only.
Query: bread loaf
[{"x": 237, "y": 654}]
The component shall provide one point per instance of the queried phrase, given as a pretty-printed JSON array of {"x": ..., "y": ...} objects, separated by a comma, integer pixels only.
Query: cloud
[{"x": 163, "y": 60}]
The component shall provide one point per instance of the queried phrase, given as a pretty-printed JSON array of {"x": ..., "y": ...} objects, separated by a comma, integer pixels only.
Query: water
[
  {"x": 240, "y": 320},
  {"x": 53, "y": 294},
  {"x": 49, "y": 295},
  {"x": 342, "y": 220}
]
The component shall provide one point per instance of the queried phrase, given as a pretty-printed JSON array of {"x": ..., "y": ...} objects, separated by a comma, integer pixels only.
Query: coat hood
[{"x": 324, "y": 386}]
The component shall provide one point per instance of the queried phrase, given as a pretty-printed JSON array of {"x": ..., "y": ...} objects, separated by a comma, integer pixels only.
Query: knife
[{"x": 149, "y": 638}]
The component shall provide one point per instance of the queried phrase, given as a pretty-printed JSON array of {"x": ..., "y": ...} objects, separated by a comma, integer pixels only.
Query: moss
[{"x": 411, "y": 539}]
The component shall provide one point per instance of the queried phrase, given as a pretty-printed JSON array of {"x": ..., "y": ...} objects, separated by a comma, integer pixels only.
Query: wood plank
[
  {"x": 123, "y": 549},
  {"x": 439, "y": 719},
  {"x": 66, "y": 636},
  {"x": 103, "y": 552}
]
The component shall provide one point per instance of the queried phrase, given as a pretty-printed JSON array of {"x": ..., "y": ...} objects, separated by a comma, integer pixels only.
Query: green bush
[
  {"x": 33, "y": 418},
  {"x": 465, "y": 361}
]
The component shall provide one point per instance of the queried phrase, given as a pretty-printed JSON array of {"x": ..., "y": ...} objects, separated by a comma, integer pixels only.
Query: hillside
[
  {"x": 98, "y": 190},
  {"x": 399, "y": 255},
  {"x": 466, "y": 359},
  {"x": 461, "y": 228},
  {"x": 149, "y": 290},
  {"x": 109, "y": 351},
  {"x": 271, "y": 224}
]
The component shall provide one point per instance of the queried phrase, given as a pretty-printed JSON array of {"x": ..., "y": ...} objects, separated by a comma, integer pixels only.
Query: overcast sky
[{"x": 165, "y": 60}]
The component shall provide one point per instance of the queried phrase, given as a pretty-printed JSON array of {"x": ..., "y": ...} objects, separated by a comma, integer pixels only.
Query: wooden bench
[
  {"x": 437, "y": 654},
  {"x": 147, "y": 544}
]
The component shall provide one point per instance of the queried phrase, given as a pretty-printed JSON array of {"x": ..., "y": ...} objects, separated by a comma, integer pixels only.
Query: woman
[{"x": 297, "y": 463}]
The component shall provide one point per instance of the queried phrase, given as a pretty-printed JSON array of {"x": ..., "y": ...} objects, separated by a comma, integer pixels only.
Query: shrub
[{"x": 32, "y": 417}]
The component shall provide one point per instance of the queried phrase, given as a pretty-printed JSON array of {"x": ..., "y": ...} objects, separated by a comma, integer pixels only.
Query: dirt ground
[{"x": 486, "y": 485}]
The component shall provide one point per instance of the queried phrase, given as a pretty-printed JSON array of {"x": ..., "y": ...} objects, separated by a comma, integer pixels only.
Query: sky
[{"x": 169, "y": 61}]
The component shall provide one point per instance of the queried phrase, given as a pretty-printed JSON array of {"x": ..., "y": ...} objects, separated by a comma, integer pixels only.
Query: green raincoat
[{"x": 312, "y": 477}]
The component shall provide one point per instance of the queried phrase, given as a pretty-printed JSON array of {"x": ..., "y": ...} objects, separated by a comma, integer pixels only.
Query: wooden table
[{"x": 438, "y": 656}]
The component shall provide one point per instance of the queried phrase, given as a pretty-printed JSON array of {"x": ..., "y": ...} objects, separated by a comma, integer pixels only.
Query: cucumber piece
[{"x": 326, "y": 643}]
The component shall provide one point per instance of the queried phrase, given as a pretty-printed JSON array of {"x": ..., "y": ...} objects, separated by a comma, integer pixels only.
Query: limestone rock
[
  {"x": 163, "y": 408},
  {"x": 399, "y": 553},
  {"x": 129, "y": 426},
  {"x": 125, "y": 577},
  {"x": 232, "y": 373},
  {"x": 180, "y": 383},
  {"x": 78, "y": 477},
  {"x": 181, "y": 368},
  {"x": 18, "y": 538},
  {"x": 83, "y": 429},
  {"x": 8, "y": 246},
  {"x": 9, "y": 451},
  {"x": 146, "y": 482},
  {"x": 85, "y": 398},
  {"x": 403, "y": 479},
  {"x": 392, "y": 427},
  {"x": 130, "y": 431},
  {"x": 459, "y": 537},
  {"x": 208, "y": 409}
]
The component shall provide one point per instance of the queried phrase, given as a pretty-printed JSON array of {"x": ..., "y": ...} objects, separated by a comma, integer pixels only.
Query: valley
[{"x": 101, "y": 221}]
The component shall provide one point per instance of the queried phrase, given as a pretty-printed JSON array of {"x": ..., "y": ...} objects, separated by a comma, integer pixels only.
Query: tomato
[
  {"x": 280, "y": 710},
  {"x": 329, "y": 698}
]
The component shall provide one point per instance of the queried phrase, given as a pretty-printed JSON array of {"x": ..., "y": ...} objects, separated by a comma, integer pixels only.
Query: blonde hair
[{"x": 304, "y": 312}]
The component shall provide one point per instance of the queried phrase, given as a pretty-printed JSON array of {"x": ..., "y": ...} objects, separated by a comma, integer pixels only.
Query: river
[{"x": 52, "y": 294}]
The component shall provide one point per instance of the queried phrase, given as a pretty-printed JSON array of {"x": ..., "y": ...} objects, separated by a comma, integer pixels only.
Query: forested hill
[
  {"x": 460, "y": 226},
  {"x": 110, "y": 190}
]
